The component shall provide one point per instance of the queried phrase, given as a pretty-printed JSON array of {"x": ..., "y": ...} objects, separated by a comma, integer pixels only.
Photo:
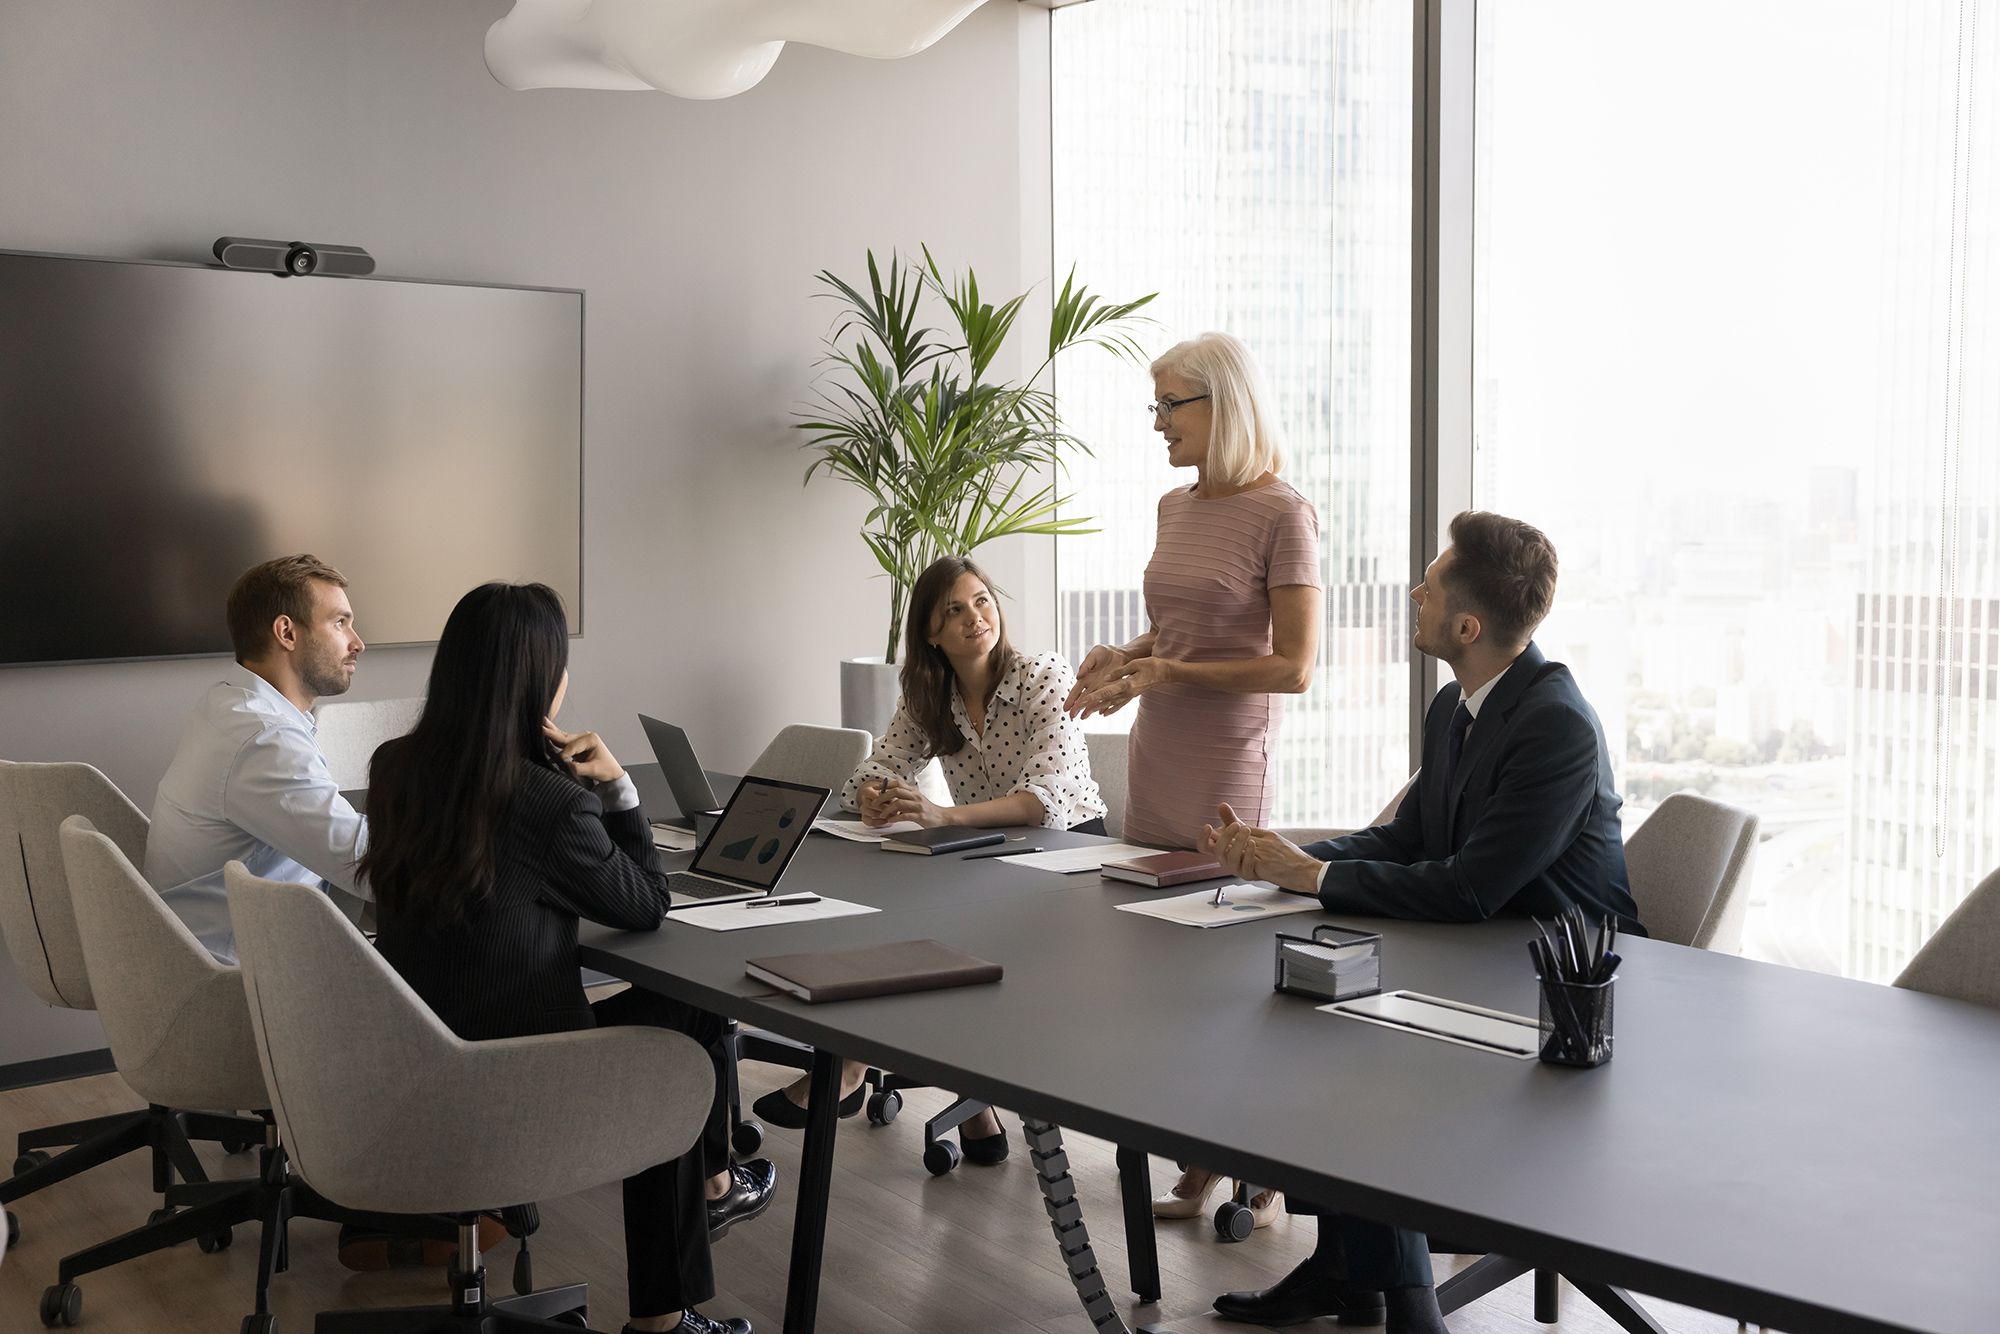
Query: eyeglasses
[{"x": 1164, "y": 409}]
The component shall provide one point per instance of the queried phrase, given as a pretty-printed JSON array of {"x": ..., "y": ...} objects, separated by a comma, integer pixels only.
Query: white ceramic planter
[{"x": 868, "y": 688}]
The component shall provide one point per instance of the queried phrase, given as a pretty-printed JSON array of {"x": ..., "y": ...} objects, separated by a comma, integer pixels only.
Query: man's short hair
[
  {"x": 281, "y": 587},
  {"x": 1504, "y": 573}
]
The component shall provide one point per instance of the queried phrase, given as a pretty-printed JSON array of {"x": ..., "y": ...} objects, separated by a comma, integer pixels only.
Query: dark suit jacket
[
  {"x": 1530, "y": 825},
  {"x": 510, "y": 969}
]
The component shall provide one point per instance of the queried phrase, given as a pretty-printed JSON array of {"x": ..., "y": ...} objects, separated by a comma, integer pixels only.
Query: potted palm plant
[{"x": 951, "y": 457}]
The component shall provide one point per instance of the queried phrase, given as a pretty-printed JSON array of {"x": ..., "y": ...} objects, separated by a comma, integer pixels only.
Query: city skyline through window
[
  {"x": 1735, "y": 351},
  {"x": 1251, "y": 163}
]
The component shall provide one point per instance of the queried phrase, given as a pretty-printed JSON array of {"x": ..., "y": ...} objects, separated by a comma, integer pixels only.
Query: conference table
[{"x": 1779, "y": 1146}]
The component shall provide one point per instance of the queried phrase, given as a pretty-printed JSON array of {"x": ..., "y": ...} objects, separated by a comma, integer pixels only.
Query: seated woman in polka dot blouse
[{"x": 994, "y": 719}]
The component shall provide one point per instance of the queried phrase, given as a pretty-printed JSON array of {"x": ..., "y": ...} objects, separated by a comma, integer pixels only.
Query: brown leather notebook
[
  {"x": 877, "y": 970},
  {"x": 1165, "y": 868}
]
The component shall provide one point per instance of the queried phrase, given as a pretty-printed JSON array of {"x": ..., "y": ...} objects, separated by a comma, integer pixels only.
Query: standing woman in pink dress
[{"x": 1233, "y": 597}]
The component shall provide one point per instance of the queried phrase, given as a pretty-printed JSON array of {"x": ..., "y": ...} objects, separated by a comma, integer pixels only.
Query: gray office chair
[
  {"x": 39, "y": 924},
  {"x": 1962, "y": 958},
  {"x": 822, "y": 756},
  {"x": 179, "y": 1030},
  {"x": 1108, "y": 752},
  {"x": 348, "y": 732},
  {"x": 1689, "y": 865},
  {"x": 471, "y": 1125}
]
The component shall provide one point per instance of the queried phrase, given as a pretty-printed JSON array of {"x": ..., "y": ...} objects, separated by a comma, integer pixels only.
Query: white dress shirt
[
  {"x": 1030, "y": 745},
  {"x": 248, "y": 784}
]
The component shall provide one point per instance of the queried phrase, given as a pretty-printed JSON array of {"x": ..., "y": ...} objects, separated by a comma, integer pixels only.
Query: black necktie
[{"x": 1454, "y": 742}]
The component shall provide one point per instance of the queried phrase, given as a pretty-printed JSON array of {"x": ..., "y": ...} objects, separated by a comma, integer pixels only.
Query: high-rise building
[{"x": 1250, "y": 162}]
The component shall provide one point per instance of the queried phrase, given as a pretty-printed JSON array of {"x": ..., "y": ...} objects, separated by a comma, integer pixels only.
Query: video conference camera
[{"x": 293, "y": 258}]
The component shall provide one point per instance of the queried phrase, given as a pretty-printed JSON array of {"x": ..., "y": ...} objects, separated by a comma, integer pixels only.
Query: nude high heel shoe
[{"x": 1172, "y": 1205}]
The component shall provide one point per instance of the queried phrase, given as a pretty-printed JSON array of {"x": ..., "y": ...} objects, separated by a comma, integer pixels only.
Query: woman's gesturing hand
[
  {"x": 1098, "y": 664},
  {"x": 1121, "y": 685},
  {"x": 585, "y": 753}
]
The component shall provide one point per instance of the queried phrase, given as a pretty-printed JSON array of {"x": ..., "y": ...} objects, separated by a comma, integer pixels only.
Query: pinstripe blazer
[{"x": 510, "y": 969}]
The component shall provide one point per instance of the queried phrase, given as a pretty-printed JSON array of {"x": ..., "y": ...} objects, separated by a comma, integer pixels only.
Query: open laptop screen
[{"x": 762, "y": 827}]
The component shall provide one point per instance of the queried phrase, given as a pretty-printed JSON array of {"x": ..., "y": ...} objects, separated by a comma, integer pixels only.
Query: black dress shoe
[
  {"x": 986, "y": 1150},
  {"x": 694, "y": 1322},
  {"x": 1414, "y": 1311},
  {"x": 1299, "y": 1296},
  {"x": 775, "y": 1109},
  {"x": 752, "y": 1187}
]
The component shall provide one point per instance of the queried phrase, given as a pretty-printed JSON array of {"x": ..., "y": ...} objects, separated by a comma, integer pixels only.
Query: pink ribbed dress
[{"x": 1208, "y": 594}]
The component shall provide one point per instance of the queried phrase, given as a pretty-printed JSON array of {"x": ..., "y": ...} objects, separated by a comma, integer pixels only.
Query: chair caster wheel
[
  {"x": 940, "y": 1157},
  {"x": 259, "y": 1324},
  {"x": 13, "y": 1230},
  {"x": 216, "y": 1241},
  {"x": 524, "y": 1273},
  {"x": 237, "y": 1145},
  {"x": 159, "y": 1215},
  {"x": 883, "y": 1106},
  {"x": 1234, "y": 1222},
  {"x": 62, "y": 1304},
  {"x": 747, "y": 1138},
  {"x": 30, "y": 1160}
]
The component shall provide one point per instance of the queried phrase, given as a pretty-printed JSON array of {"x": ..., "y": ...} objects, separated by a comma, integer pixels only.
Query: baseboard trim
[{"x": 55, "y": 1069}]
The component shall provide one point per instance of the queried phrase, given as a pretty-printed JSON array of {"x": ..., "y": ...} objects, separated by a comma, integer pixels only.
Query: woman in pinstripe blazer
[{"x": 491, "y": 833}]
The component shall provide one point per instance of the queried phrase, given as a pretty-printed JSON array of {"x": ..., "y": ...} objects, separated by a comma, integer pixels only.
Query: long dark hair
[
  {"x": 928, "y": 680},
  {"x": 438, "y": 799}
]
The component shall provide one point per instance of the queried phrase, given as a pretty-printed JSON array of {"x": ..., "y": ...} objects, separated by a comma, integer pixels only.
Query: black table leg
[
  {"x": 815, "y": 1186},
  {"x": 1142, "y": 1255}
]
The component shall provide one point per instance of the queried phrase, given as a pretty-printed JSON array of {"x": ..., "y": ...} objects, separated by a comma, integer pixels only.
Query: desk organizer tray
[{"x": 1333, "y": 964}]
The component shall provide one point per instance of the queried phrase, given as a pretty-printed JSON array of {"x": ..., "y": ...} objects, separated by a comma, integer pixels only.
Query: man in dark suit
[{"x": 1513, "y": 812}]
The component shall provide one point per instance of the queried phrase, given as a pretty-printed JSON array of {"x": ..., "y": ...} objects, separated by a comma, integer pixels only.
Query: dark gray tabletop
[{"x": 1800, "y": 1150}]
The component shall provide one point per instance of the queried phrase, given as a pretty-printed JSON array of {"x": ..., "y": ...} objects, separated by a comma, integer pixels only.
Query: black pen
[
  {"x": 997, "y": 852},
  {"x": 784, "y": 902}
]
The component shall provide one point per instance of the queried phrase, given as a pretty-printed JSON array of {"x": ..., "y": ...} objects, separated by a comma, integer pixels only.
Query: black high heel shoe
[{"x": 775, "y": 1109}]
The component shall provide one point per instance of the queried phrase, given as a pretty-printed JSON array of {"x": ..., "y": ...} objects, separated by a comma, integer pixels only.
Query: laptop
[
  {"x": 684, "y": 773},
  {"x": 764, "y": 825}
]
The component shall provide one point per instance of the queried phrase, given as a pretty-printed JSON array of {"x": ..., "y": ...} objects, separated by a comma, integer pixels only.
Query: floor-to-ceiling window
[
  {"x": 1250, "y": 162},
  {"x": 1737, "y": 350}
]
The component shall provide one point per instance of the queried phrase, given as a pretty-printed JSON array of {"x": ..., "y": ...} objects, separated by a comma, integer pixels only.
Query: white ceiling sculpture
[{"x": 698, "y": 48}]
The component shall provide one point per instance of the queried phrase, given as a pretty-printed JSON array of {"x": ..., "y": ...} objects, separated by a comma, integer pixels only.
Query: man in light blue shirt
[{"x": 248, "y": 782}]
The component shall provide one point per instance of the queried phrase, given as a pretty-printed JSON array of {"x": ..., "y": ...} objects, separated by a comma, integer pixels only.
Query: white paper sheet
[
  {"x": 1446, "y": 1020},
  {"x": 1069, "y": 861},
  {"x": 1243, "y": 901},
  {"x": 856, "y": 832},
  {"x": 739, "y": 915}
]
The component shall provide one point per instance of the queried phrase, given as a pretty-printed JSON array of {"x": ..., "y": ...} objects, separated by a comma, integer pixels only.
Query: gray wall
[{"x": 717, "y": 590}]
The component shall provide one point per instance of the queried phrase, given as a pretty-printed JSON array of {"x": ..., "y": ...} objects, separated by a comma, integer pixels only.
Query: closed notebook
[
  {"x": 1165, "y": 868},
  {"x": 944, "y": 838},
  {"x": 875, "y": 970}
]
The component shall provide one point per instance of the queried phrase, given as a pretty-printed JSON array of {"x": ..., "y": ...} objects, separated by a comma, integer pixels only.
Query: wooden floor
[{"x": 906, "y": 1253}]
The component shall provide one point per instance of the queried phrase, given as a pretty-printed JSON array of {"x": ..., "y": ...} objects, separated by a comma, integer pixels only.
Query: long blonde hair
[{"x": 1243, "y": 444}]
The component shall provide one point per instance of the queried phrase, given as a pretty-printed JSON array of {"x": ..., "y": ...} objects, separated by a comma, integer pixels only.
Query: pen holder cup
[
  {"x": 1576, "y": 1022},
  {"x": 1333, "y": 964}
]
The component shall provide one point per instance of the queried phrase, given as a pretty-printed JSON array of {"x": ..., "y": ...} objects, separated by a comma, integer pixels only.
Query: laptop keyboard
[{"x": 700, "y": 887}]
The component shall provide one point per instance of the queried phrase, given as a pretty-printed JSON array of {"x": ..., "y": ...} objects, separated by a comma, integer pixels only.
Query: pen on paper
[{"x": 784, "y": 902}]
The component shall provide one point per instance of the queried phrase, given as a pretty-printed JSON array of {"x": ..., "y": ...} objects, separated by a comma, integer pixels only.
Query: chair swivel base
[
  {"x": 87, "y": 1144},
  {"x": 564, "y": 1309},
  {"x": 207, "y": 1212}
]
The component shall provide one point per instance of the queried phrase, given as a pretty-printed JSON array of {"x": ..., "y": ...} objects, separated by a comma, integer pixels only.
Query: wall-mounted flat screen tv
[{"x": 163, "y": 427}]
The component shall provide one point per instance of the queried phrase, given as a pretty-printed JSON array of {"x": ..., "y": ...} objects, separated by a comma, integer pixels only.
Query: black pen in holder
[{"x": 1576, "y": 1021}]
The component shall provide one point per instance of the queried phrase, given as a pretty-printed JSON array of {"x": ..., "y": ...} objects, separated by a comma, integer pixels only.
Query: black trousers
[
  {"x": 667, "y": 1266},
  {"x": 1366, "y": 1254}
]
